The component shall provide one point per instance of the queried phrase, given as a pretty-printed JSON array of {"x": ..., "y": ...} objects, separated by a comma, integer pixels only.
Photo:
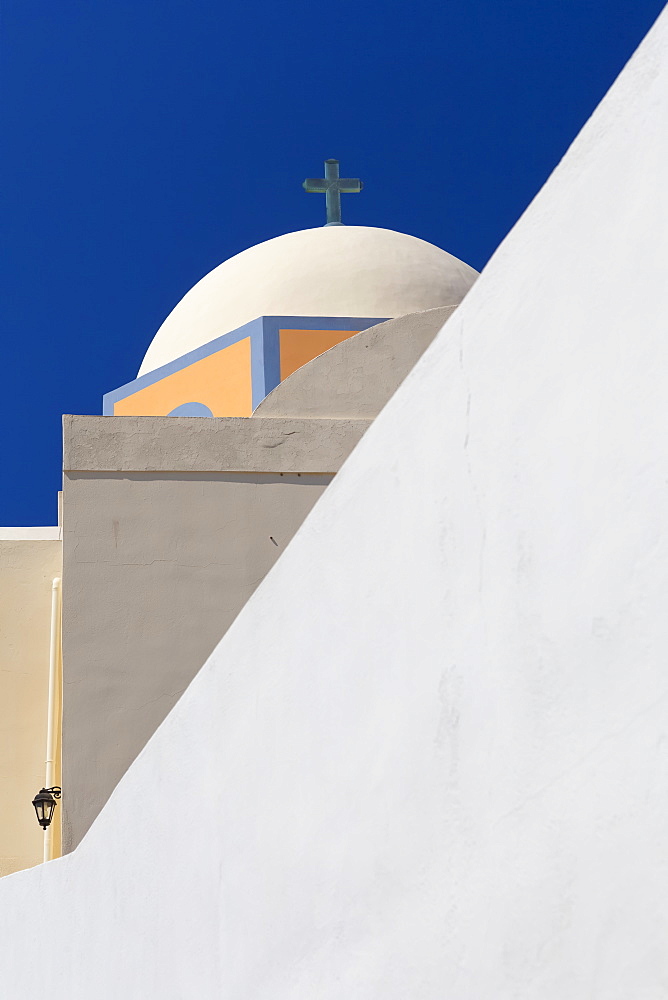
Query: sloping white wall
[{"x": 430, "y": 759}]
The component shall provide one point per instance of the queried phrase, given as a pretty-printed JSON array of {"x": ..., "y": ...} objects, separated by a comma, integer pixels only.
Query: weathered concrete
[
  {"x": 156, "y": 568},
  {"x": 170, "y": 524},
  {"x": 214, "y": 444},
  {"x": 357, "y": 377}
]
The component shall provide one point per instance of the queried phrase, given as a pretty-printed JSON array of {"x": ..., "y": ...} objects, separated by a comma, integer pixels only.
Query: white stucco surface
[
  {"x": 329, "y": 271},
  {"x": 429, "y": 760}
]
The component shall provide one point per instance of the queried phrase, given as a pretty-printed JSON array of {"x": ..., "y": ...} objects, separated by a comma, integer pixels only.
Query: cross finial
[{"x": 332, "y": 186}]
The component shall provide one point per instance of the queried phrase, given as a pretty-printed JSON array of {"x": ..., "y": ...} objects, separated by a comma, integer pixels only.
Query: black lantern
[{"x": 44, "y": 803}]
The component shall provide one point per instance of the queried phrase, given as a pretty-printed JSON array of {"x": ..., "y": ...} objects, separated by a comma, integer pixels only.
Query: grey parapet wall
[{"x": 170, "y": 524}]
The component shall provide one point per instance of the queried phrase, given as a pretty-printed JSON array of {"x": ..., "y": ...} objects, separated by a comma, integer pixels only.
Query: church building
[
  {"x": 357, "y": 606},
  {"x": 181, "y": 496}
]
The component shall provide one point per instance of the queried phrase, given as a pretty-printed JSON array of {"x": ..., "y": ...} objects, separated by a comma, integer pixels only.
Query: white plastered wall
[
  {"x": 328, "y": 271},
  {"x": 429, "y": 758}
]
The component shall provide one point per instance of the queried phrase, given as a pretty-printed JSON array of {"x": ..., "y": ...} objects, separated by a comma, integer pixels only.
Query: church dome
[{"x": 329, "y": 271}]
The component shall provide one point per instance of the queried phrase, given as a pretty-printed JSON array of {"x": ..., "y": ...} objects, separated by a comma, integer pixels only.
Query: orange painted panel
[
  {"x": 300, "y": 346},
  {"x": 222, "y": 381}
]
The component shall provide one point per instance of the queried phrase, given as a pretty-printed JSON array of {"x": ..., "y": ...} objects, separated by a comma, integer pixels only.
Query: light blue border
[
  {"x": 252, "y": 329},
  {"x": 191, "y": 410},
  {"x": 265, "y": 352}
]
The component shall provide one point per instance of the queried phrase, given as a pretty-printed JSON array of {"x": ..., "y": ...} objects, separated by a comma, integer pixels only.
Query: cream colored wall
[{"x": 29, "y": 560}]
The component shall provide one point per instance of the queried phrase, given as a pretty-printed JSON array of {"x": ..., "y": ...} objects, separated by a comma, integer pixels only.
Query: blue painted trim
[
  {"x": 191, "y": 410},
  {"x": 226, "y": 340},
  {"x": 265, "y": 352},
  {"x": 258, "y": 390},
  {"x": 324, "y": 322},
  {"x": 272, "y": 357}
]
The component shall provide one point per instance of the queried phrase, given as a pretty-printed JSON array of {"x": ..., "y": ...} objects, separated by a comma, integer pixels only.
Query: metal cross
[{"x": 332, "y": 186}]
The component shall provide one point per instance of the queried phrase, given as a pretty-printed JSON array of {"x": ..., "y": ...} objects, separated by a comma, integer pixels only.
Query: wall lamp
[{"x": 45, "y": 803}]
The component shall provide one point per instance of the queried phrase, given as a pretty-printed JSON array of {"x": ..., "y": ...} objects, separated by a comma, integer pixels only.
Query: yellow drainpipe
[{"x": 53, "y": 716}]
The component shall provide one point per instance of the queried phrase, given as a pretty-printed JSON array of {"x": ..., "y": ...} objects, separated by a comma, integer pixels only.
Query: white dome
[{"x": 329, "y": 271}]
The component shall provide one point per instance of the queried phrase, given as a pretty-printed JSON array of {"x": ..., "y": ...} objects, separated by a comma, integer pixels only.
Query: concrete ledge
[
  {"x": 211, "y": 444},
  {"x": 39, "y": 534}
]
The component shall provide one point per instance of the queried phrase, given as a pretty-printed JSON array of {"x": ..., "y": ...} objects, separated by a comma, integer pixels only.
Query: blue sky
[{"x": 144, "y": 142}]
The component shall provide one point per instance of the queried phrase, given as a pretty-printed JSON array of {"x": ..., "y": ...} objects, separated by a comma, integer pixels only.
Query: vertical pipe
[{"x": 53, "y": 710}]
